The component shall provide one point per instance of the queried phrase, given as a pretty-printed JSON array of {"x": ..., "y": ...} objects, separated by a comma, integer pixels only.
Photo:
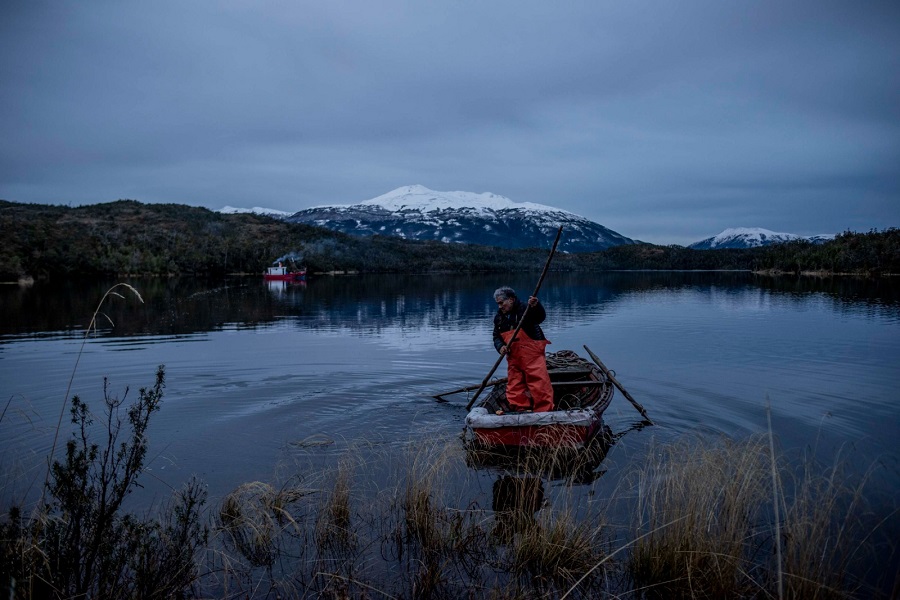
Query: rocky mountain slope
[{"x": 416, "y": 212}]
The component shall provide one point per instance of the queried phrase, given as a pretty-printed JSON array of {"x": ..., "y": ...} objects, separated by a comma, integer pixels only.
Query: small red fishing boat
[
  {"x": 582, "y": 391},
  {"x": 281, "y": 273}
]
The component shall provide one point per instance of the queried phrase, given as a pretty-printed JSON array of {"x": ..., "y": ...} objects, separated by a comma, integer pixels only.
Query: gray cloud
[{"x": 667, "y": 122}]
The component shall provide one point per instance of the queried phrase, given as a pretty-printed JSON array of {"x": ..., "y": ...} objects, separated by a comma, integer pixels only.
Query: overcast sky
[{"x": 665, "y": 121}]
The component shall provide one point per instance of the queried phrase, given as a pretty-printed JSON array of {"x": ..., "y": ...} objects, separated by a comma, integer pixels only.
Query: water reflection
[
  {"x": 280, "y": 288},
  {"x": 373, "y": 303},
  {"x": 574, "y": 466},
  {"x": 515, "y": 502}
]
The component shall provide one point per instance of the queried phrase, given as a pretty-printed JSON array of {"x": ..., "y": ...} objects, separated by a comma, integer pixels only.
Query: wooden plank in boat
[{"x": 578, "y": 383}]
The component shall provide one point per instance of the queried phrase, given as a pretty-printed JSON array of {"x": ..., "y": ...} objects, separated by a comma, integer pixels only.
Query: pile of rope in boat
[{"x": 566, "y": 360}]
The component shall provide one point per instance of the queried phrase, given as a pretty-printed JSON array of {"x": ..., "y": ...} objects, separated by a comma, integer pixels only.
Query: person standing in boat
[{"x": 528, "y": 386}]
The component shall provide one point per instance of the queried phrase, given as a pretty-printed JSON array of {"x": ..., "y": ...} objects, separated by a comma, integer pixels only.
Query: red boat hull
[
  {"x": 286, "y": 277},
  {"x": 281, "y": 273},
  {"x": 539, "y": 436}
]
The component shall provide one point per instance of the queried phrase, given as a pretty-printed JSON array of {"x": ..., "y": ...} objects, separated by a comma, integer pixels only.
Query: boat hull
[
  {"x": 556, "y": 429},
  {"x": 581, "y": 394},
  {"x": 554, "y": 436},
  {"x": 287, "y": 277}
]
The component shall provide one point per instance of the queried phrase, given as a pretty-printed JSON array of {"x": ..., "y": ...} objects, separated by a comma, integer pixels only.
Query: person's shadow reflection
[{"x": 516, "y": 500}]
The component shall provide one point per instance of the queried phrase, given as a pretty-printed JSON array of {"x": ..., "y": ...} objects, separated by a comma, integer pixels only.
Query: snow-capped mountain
[
  {"x": 256, "y": 210},
  {"x": 821, "y": 238},
  {"x": 418, "y": 213},
  {"x": 753, "y": 237}
]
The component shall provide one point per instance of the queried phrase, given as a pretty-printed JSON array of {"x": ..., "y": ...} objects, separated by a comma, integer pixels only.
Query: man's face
[{"x": 505, "y": 305}]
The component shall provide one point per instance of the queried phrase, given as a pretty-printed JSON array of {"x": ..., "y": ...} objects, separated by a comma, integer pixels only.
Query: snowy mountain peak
[
  {"x": 420, "y": 198},
  {"x": 753, "y": 237},
  {"x": 417, "y": 213}
]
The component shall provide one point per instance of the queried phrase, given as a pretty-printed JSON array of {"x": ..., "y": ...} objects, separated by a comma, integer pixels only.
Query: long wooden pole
[
  {"x": 522, "y": 320},
  {"x": 619, "y": 385}
]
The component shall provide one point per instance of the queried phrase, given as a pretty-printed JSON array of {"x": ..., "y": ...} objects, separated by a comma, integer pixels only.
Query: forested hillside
[
  {"x": 160, "y": 239},
  {"x": 128, "y": 237},
  {"x": 873, "y": 253}
]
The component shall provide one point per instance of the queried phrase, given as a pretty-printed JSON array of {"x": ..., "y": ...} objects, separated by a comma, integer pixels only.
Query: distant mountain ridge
[
  {"x": 418, "y": 213},
  {"x": 256, "y": 210},
  {"x": 753, "y": 237}
]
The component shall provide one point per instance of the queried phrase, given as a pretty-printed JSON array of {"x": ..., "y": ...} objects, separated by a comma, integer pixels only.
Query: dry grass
[
  {"x": 431, "y": 540},
  {"x": 701, "y": 502},
  {"x": 333, "y": 525},
  {"x": 420, "y": 493},
  {"x": 707, "y": 526},
  {"x": 822, "y": 535},
  {"x": 557, "y": 549},
  {"x": 253, "y": 516},
  {"x": 703, "y": 528}
]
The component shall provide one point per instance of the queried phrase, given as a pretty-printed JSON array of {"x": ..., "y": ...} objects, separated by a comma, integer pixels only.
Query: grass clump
[
  {"x": 696, "y": 508},
  {"x": 333, "y": 527},
  {"x": 437, "y": 544},
  {"x": 821, "y": 535},
  {"x": 706, "y": 526},
  {"x": 556, "y": 551},
  {"x": 251, "y": 517}
]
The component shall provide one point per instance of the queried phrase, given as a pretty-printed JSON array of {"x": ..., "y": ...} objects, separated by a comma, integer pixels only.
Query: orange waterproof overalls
[{"x": 527, "y": 373}]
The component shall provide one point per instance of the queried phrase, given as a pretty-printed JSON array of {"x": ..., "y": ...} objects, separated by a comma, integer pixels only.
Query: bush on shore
[{"x": 78, "y": 543}]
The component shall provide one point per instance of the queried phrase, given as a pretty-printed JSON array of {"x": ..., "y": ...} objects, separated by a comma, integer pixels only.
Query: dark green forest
[{"x": 129, "y": 237}]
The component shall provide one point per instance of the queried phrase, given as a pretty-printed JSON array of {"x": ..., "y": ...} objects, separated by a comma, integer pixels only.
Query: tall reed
[
  {"x": 701, "y": 503},
  {"x": 92, "y": 326},
  {"x": 825, "y": 547},
  {"x": 706, "y": 525}
]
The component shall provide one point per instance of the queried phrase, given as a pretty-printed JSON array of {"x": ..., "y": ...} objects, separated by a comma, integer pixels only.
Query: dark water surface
[{"x": 257, "y": 373}]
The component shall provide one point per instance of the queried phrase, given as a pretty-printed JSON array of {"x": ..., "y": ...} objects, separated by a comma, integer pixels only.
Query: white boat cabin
[{"x": 276, "y": 271}]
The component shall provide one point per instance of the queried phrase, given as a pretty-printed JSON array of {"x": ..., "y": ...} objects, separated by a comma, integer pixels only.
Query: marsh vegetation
[{"x": 701, "y": 518}]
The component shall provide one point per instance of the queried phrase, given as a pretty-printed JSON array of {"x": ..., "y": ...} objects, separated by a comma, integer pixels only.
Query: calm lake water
[{"x": 258, "y": 372}]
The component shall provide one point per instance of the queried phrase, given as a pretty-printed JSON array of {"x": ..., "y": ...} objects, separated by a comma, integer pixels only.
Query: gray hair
[{"x": 503, "y": 293}]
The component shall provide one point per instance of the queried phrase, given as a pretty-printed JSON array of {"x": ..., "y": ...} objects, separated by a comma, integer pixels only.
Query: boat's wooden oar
[
  {"x": 469, "y": 388},
  {"x": 618, "y": 385},
  {"x": 522, "y": 320},
  {"x": 494, "y": 382}
]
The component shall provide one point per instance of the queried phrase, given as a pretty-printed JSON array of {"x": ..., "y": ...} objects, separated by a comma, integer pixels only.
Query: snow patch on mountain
[
  {"x": 420, "y": 198},
  {"x": 753, "y": 237}
]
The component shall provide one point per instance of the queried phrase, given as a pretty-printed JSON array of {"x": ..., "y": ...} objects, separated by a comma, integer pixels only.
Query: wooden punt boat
[{"x": 582, "y": 391}]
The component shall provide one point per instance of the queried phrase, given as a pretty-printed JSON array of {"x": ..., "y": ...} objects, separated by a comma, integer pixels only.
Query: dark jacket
[{"x": 508, "y": 321}]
